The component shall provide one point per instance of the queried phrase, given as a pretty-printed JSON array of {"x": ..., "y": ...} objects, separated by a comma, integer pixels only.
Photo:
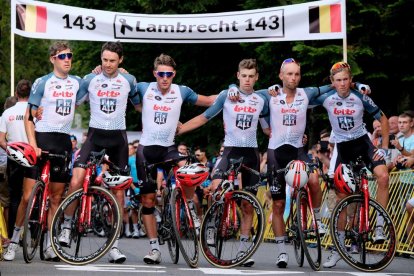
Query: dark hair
[
  {"x": 164, "y": 59},
  {"x": 58, "y": 46},
  {"x": 23, "y": 88},
  {"x": 10, "y": 101},
  {"x": 115, "y": 47},
  {"x": 248, "y": 64},
  {"x": 73, "y": 137}
]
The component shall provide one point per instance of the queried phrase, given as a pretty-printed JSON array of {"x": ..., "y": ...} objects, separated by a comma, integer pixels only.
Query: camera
[{"x": 392, "y": 137}]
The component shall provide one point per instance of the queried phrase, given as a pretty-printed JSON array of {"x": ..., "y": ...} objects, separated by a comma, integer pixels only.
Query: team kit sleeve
[
  {"x": 140, "y": 89},
  {"x": 188, "y": 94},
  {"x": 83, "y": 92},
  {"x": 369, "y": 105},
  {"x": 217, "y": 106},
  {"x": 36, "y": 93},
  {"x": 133, "y": 93}
]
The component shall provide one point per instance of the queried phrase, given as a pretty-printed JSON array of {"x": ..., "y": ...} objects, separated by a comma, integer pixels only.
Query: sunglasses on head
[
  {"x": 63, "y": 56},
  {"x": 164, "y": 74},
  {"x": 339, "y": 65},
  {"x": 288, "y": 60}
]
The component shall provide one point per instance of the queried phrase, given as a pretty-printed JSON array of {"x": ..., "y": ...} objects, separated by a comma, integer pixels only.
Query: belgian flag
[
  {"x": 325, "y": 19},
  {"x": 31, "y": 18}
]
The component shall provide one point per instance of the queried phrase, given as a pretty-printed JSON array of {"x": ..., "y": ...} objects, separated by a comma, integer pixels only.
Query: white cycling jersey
[
  {"x": 12, "y": 123},
  {"x": 108, "y": 98},
  {"x": 240, "y": 118},
  {"x": 57, "y": 97},
  {"x": 161, "y": 113}
]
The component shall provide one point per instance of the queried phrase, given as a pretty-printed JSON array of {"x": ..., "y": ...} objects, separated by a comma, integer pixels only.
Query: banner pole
[
  {"x": 344, "y": 40},
  {"x": 11, "y": 63}
]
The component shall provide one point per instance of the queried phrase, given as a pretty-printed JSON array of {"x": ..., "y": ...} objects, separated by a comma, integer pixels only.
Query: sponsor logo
[
  {"x": 161, "y": 108},
  {"x": 158, "y": 98},
  {"x": 338, "y": 103},
  {"x": 16, "y": 117},
  {"x": 64, "y": 94},
  {"x": 63, "y": 106},
  {"x": 346, "y": 122},
  {"x": 282, "y": 102},
  {"x": 346, "y": 111},
  {"x": 108, "y": 93},
  {"x": 289, "y": 120},
  {"x": 58, "y": 87},
  {"x": 160, "y": 118},
  {"x": 247, "y": 109},
  {"x": 104, "y": 85},
  {"x": 108, "y": 105},
  {"x": 244, "y": 121},
  {"x": 289, "y": 110}
]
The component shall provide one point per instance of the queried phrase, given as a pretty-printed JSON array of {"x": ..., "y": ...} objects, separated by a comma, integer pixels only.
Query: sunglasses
[
  {"x": 63, "y": 56},
  {"x": 339, "y": 65},
  {"x": 288, "y": 60},
  {"x": 164, "y": 74}
]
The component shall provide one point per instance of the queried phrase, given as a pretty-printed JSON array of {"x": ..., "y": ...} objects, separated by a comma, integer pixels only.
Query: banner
[{"x": 308, "y": 21}]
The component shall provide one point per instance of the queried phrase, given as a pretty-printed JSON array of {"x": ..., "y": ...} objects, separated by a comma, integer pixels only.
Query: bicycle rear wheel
[
  {"x": 33, "y": 228},
  {"x": 186, "y": 235},
  {"x": 221, "y": 228},
  {"x": 308, "y": 231},
  {"x": 371, "y": 257},
  {"x": 293, "y": 233},
  {"x": 85, "y": 245}
]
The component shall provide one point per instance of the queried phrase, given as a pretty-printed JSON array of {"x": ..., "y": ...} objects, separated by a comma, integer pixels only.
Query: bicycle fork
[
  {"x": 45, "y": 197},
  {"x": 86, "y": 204}
]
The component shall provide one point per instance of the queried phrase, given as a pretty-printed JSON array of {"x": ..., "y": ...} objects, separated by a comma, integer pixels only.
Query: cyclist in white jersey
[
  {"x": 161, "y": 108},
  {"x": 56, "y": 93},
  {"x": 240, "y": 118},
  {"x": 108, "y": 94},
  {"x": 345, "y": 109}
]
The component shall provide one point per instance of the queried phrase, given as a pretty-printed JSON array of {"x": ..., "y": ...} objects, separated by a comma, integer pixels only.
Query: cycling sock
[
  {"x": 380, "y": 220},
  {"x": 341, "y": 235},
  {"x": 154, "y": 244},
  {"x": 280, "y": 245},
  {"x": 115, "y": 243},
  {"x": 16, "y": 234},
  {"x": 127, "y": 229},
  {"x": 67, "y": 221},
  {"x": 317, "y": 213},
  {"x": 135, "y": 225},
  {"x": 48, "y": 244},
  {"x": 243, "y": 246}
]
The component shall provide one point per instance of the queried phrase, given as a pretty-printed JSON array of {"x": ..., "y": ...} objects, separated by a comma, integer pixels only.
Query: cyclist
[
  {"x": 56, "y": 92},
  {"x": 108, "y": 94},
  {"x": 240, "y": 120},
  {"x": 161, "y": 107},
  {"x": 345, "y": 109}
]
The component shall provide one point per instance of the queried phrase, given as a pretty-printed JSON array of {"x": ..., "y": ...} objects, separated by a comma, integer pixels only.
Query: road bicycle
[
  {"x": 96, "y": 208},
  {"x": 221, "y": 226},
  {"x": 302, "y": 227},
  {"x": 35, "y": 221},
  {"x": 364, "y": 223}
]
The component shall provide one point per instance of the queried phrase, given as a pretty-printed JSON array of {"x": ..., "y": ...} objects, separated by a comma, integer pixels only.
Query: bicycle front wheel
[
  {"x": 223, "y": 224},
  {"x": 367, "y": 255},
  {"x": 185, "y": 234},
  {"x": 167, "y": 222},
  {"x": 32, "y": 226},
  {"x": 85, "y": 245},
  {"x": 308, "y": 231}
]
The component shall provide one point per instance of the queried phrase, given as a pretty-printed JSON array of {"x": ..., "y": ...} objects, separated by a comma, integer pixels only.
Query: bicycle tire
[
  {"x": 368, "y": 259},
  {"x": 308, "y": 231},
  {"x": 186, "y": 236},
  {"x": 42, "y": 246},
  {"x": 173, "y": 247},
  {"x": 78, "y": 253},
  {"x": 294, "y": 235},
  {"x": 221, "y": 248},
  {"x": 32, "y": 227}
]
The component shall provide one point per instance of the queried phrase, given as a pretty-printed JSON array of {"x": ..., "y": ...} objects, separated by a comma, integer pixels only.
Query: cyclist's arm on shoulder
[
  {"x": 384, "y": 130},
  {"x": 194, "y": 123}
]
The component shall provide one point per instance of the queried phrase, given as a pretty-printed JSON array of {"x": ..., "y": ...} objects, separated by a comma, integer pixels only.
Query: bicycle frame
[
  {"x": 86, "y": 206},
  {"x": 45, "y": 177}
]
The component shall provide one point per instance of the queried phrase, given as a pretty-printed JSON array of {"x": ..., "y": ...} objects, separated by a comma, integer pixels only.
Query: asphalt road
[{"x": 135, "y": 249}]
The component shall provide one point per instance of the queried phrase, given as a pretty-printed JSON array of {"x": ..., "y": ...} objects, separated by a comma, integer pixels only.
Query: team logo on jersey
[
  {"x": 241, "y": 101},
  {"x": 58, "y": 87},
  {"x": 289, "y": 110},
  {"x": 158, "y": 98},
  {"x": 108, "y": 105},
  {"x": 103, "y": 93},
  {"x": 346, "y": 122},
  {"x": 345, "y": 111},
  {"x": 338, "y": 103},
  {"x": 248, "y": 109},
  {"x": 282, "y": 102},
  {"x": 289, "y": 119},
  {"x": 244, "y": 121},
  {"x": 16, "y": 117},
  {"x": 63, "y": 106},
  {"x": 64, "y": 94},
  {"x": 161, "y": 107},
  {"x": 160, "y": 118},
  {"x": 369, "y": 100},
  {"x": 104, "y": 85}
]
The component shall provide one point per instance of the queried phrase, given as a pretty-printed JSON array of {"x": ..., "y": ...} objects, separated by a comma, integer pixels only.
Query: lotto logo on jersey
[
  {"x": 63, "y": 107},
  {"x": 108, "y": 105},
  {"x": 160, "y": 118},
  {"x": 161, "y": 107},
  {"x": 289, "y": 120},
  {"x": 289, "y": 110},
  {"x": 108, "y": 93},
  {"x": 346, "y": 111},
  {"x": 64, "y": 94},
  {"x": 346, "y": 122},
  {"x": 247, "y": 109},
  {"x": 244, "y": 121}
]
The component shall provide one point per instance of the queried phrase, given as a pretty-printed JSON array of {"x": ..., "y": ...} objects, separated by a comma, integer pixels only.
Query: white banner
[{"x": 308, "y": 21}]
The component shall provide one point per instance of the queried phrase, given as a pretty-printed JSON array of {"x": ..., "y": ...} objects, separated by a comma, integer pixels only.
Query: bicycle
[
  {"x": 363, "y": 223},
  {"x": 94, "y": 204},
  {"x": 302, "y": 227},
  {"x": 220, "y": 228},
  {"x": 35, "y": 221}
]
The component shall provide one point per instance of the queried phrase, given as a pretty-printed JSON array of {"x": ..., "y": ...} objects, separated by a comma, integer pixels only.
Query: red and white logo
[
  {"x": 64, "y": 94},
  {"x": 161, "y": 108},
  {"x": 247, "y": 109},
  {"x": 111, "y": 94},
  {"x": 345, "y": 111}
]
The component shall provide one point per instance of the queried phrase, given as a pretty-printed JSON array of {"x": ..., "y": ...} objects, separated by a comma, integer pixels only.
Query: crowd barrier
[{"x": 401, "y": 187}]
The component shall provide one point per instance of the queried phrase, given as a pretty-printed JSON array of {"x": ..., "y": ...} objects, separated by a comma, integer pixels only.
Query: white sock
[
  {"x": 280, "y": 245},
  {"x": 67, "y": 222},
  {"x": 135, "y": 225},
  {"x": 154, "y": 244},
  {"x": 48, "y": 239},
  {"x": 244, "y": 243},
  {"x": 317, "y": 213},
  {"x": 127, "y": 227},
  {"x": 16, "y": 234},
  {"x": 115, "y": 243}
]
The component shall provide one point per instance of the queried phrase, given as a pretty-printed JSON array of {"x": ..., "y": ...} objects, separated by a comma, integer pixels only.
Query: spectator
[
  {"x": 201, "y": 157},
  {"x": 410, "y": 232},
  {"x": 404, "y": 143},
  {"x": 376, "y": 133},
  {"x": 393, "y": 132}
]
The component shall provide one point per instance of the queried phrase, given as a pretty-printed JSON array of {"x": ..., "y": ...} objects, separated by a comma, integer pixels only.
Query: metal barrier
[{"x": 401, "y": 188}]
